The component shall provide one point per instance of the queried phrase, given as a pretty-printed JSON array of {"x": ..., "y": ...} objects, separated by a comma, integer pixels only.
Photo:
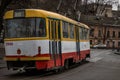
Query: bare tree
[
  {"x": 93, "y": 7},
  {"x": 3, "y": 6},
  {"x": 102, "y": 4},
  {"x": 7, "y": 4}
]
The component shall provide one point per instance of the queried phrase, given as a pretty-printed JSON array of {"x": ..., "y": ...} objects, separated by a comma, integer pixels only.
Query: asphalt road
[{"x": 103, "y": 65}]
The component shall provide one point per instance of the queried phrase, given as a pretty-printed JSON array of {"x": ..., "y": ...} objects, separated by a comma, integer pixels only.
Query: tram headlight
[
  {"x": 39, "y": 50},
  {"x": 18, "y": 51}
]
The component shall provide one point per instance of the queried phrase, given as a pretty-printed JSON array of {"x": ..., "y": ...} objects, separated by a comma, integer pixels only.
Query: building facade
[
  {"x": 105, "y": 36},
  {"x": 104, "y": 31},
  {"x": 104, "y": 28}
]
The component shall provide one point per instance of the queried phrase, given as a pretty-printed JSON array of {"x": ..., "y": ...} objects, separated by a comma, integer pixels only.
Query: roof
[
  {"x": 42, "y": 13},
  {"x": 99, "y": 20}
]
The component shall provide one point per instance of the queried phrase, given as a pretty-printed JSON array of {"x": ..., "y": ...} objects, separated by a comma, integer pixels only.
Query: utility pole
[
  {"x": 76, "y": 1},
  {"x": 37, "y": 4},
  {"x": 85, "y": 6},
  {"x": 77, "y": 13},
  {"x": 59, "y": 5}
]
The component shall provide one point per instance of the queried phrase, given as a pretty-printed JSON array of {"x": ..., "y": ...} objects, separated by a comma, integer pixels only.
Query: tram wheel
[{"x": 66, "y": 65}]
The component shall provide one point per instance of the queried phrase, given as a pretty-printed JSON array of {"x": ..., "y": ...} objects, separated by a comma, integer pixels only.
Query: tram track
[{"x": 65, "y": 75}]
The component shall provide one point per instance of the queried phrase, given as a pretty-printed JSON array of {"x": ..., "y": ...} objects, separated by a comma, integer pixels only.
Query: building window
[
  {"x": 113, "y": 45},
  {"x": 108, "y": 34},
  {"x": 99, "y": 41},
  {"x": 108, "y": 43},
  {"x": 119, "y": 44},
  {"x": 113, "y": 33},
  {"x": 118, "y": 34},
  {"x": 92, "y": 32},
  {"x": 99, "y": 33},
  {"x": 91, "y": 42}
]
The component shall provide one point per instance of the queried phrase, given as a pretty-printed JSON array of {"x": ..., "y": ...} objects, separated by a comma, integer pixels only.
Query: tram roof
[{"x": 43, "y": 13}]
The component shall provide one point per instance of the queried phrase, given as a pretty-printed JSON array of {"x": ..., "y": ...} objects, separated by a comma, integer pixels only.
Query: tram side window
[
  {"x": 53, "y": 24},
  {"x": 81, "y": 33},
  {"x": 49, "y": 25},
  {"x": 85, "y": 33},
  {"x": 40, "y": 27},
  {"x": 59, "y": 33},
  {"x": 71, "y": 31},
  {"x": 88, "y": 34},
  {"x": 65, "y": 29}
]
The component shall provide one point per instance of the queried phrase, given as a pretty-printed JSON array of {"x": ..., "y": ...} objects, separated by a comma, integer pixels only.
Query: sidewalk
[
  {"x": 116, "y": 52},
  {"x": 1, "y": 45},
  {"x": 2, "y": 62}
]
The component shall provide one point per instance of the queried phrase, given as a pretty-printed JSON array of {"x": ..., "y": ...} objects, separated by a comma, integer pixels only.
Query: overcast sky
[{"x": 115, "y": 6}]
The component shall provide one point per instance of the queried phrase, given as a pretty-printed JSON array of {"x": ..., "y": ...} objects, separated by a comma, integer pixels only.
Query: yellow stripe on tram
[{"x": 26, "y": 58}]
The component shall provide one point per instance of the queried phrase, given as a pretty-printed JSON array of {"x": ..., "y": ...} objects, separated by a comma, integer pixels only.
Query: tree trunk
[{"x": 3, "y": 6}]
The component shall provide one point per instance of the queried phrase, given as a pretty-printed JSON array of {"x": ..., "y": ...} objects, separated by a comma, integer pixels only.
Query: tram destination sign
[{"x": 19, "y": 13}]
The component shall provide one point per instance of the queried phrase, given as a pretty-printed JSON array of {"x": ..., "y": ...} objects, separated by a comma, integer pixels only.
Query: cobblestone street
[{"x": 103, "y": 65}]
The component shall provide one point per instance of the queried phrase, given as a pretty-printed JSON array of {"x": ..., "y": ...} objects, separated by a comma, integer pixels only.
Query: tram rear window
[{"x": 25, "y": 27}]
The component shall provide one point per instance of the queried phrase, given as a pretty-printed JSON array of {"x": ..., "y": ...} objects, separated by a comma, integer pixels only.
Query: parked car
[{"x": 100, "y": 46}]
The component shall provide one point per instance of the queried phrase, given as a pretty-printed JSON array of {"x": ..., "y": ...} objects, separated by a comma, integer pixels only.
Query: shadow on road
[{"x": 34, "y": 73}]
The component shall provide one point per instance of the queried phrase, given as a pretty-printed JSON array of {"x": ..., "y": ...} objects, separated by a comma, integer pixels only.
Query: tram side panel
[
  {"x": 84, "y": 49},
  {"x": 68, "y": 50},
  {"x": 22, "y": 53}
]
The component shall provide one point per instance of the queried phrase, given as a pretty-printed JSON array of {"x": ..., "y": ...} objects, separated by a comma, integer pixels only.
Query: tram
[{"x": 43, "y": 40}]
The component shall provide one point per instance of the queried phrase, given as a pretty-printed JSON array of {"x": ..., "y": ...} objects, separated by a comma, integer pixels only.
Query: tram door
[
  {"x": 55, "y": 42},
  {"x": 77, "y": 42}
]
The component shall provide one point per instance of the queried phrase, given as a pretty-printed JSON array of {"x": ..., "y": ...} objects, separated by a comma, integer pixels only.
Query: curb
[{"x": 118, "y": 53}]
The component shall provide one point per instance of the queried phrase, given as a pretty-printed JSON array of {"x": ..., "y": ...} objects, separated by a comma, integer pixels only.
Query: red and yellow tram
[{"x": 39, "y": 39}]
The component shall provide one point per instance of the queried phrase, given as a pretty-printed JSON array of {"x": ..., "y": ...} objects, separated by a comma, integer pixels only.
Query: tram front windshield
[{"x": 25, "y": 27}]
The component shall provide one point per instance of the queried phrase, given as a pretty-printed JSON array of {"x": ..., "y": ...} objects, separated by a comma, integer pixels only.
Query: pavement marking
[
  {"x": 95, "y": 59},
  {"x": 108, "y": 53}
]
